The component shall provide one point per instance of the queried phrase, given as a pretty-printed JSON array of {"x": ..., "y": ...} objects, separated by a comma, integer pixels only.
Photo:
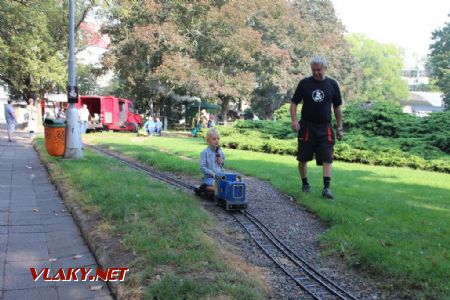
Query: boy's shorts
[
  {"x": 315, "y": 139},
  {"x": 208, "y": 181}
]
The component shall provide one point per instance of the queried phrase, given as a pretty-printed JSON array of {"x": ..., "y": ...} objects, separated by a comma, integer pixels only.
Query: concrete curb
[{"x": 85, "y": 223}]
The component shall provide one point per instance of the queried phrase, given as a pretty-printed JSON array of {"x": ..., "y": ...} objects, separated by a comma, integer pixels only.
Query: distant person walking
[
  {"x": 84, "y": 118},
  {"x": 10, "y": 118},
  {"x": 61, "y": 114},
  {"x": 315, "y": 133},
  {"x": 32, "y": 117}
]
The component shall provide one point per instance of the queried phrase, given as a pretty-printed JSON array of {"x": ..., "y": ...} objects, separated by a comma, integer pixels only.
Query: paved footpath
[{"x": 36, "y": 229}]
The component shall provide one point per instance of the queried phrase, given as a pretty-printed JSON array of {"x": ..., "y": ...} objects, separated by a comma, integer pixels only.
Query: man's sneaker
[
  {"x": 326, "y": 193},
  {"x": 306, "y": 188}
]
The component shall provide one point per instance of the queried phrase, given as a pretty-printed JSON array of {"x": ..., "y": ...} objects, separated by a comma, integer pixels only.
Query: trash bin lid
[{"x": 54, "y": 123}]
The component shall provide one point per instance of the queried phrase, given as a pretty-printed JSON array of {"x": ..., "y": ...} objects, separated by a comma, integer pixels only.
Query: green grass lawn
[
  {"x": 392, "y": 222},
  {"x": 175, "y": 258}
]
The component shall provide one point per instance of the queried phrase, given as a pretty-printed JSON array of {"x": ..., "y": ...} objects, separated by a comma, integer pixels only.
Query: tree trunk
[
  {"x": 224, "y": 107},
  {"x": 167, "y": 102}
]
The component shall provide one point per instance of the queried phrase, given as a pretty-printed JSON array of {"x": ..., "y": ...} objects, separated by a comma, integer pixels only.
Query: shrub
[{"x": 376, "y": 133}]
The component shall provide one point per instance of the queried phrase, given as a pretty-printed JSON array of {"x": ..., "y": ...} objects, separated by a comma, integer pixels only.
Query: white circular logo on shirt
[{"x": 318, "y": 96}]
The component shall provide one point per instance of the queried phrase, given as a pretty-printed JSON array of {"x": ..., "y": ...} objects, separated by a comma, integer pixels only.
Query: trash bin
[{"x": 55, "y": 137}]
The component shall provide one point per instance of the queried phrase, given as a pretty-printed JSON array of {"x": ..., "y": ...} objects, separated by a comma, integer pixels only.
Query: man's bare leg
[
  {"x": 303, "y": 169},
  {"x": 10, "y": 135},
  {"x": 326, "y": 170}
]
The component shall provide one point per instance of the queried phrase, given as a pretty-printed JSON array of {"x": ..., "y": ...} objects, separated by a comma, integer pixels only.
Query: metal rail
[
  {"x": 295, "y": 267},
  {"x": 149, "y": 171}
]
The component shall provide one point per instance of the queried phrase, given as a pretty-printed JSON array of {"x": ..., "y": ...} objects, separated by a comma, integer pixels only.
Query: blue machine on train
[{"x": 229, "y": 191}]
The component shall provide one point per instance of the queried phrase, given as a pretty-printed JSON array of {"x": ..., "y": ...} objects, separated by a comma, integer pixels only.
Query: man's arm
[
  {"x": 12, "y": 114},
  {"x": 294, "y": 121},
  {"x": 338, "y": 115}
]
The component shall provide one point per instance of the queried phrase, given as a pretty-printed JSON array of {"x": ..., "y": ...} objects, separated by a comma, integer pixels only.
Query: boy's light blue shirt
[{"x": 209, "y": 164}]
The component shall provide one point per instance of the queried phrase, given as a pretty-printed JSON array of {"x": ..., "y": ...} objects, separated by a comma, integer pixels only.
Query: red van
[{"x": 110, "y": 113}]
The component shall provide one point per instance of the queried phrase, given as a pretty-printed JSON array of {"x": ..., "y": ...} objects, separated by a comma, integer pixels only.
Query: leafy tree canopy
[
  {"x": 381, "y": 67},
  {"x": 226, "y": 51},
  {"x": 33, "y": 44},
  {"x": 439, "y": 60}
]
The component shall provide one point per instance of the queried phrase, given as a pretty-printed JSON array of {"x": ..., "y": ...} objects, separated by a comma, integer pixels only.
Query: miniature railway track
[
  {"x": 137, "y": 166},
  {"x": 295, "y": 267}
]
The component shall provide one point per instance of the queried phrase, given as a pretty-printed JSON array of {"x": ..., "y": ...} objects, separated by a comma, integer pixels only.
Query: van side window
[{"x": 130, "y": 108}]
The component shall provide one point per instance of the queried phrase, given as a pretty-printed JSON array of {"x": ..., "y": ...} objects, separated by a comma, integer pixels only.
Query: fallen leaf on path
[{"x": 95, "y": 287}]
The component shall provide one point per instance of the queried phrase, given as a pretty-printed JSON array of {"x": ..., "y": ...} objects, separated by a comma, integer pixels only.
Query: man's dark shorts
[{"x": 315, "y": 139}]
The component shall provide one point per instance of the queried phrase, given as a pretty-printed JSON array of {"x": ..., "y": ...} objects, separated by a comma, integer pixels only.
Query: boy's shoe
[
  {"x": 326, "y": 193},
  {"x": 200, "y": 190},
  {"x": 197, "y": 191},
  {"x": 306, "y": 188},
  {"x": 203, "y": 192}
]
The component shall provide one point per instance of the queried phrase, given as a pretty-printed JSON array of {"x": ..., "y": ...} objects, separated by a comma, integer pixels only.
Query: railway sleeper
[{"x": 301, "y": 277}]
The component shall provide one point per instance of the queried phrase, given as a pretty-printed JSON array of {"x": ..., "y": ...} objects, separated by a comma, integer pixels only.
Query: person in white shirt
[
  {"x": 32, "y": 117},
  {"x": 84, "y": 118}
]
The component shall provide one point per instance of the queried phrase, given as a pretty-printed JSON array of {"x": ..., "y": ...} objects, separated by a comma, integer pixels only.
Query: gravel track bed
[{"x": 298, "y": 229}]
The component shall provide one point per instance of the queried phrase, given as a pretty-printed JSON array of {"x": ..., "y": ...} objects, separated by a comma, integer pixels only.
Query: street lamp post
[{"x": 73, "y": 135}]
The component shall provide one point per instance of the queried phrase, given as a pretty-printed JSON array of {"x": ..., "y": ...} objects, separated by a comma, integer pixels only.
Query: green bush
[
  {"x": 283, "y": 113},
  {"x": 387, "y": 120},
  {"x": 376, "y": 133}
]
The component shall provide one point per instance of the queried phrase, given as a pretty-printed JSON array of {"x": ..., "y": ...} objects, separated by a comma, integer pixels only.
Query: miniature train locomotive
[{"x": 229, "y": 192}]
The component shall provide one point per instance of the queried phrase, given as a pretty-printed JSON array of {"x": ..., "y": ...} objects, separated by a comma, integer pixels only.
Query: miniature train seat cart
[{"x": 230, "y": 191}]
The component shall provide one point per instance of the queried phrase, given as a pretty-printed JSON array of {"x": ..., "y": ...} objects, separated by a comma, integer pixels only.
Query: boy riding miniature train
[
  {"x": 226, "y": 189},
  {"x": 212, "y": 160}
]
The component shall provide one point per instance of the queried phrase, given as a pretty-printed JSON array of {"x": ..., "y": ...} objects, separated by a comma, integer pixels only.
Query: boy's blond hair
[{"x": 211, "y": 132}]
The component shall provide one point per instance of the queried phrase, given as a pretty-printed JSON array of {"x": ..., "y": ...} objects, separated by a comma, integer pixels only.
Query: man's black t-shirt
[{"x": 317, "y": 97}]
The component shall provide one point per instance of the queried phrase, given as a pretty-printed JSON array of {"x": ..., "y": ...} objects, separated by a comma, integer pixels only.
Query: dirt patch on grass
[
  {"x": 138, "y": 139},
  {"x": 221, "y": 239}
]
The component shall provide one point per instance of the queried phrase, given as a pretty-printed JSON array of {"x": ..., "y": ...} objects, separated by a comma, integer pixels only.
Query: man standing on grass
[{"x": 315, "y": 134}]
